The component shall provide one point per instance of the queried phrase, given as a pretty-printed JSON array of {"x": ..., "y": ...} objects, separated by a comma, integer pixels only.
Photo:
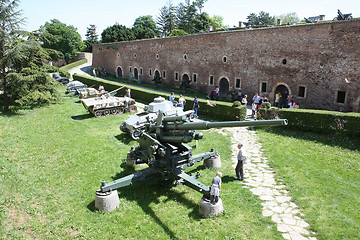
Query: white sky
[{"x": 82, "y": 13}]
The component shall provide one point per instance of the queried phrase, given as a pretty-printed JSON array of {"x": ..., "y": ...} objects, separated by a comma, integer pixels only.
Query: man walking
[{"x": 239, "y": 167}]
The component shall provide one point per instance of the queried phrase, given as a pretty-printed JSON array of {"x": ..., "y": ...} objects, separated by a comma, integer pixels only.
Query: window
[
  {"x": 150, "y": 72},
  {"x": 225, "y": 59},
  {"x": 164, "y": 74},
  {"x": 130, "y": 70},
  {"x": 211, "y": 80},
  {"x": 284, "y": 61},
  {"x": 263, "y": 87},
  {"x": 176, "y": 76},
  {"x": 157, "y": 56},
  {"x": 301, "y": 92},
  {"x": 141, "y": 71},
  {"x": 237, "y": 83},
  {"x": 185, "y": 56},
  {"x": 195, "y": 77},
  {"x": 341, "y": 97}
]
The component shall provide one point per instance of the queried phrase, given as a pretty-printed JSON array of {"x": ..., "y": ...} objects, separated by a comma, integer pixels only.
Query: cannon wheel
[
  {"x": 133, "y": 109},
  {"x": 98, "y": 113},
  {"x": 120, "y": 110},
  {"x": 123, "y": 127},
  {"x": 107, "y": 112}
]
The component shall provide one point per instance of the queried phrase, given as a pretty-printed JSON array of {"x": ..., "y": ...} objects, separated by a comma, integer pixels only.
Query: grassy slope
[
  {"x": 323, "y": 175},
  {"x": 53, "y": 160}
]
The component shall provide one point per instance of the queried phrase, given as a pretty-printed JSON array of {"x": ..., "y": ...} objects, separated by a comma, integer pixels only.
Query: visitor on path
[
  {"x": 182, "y": 101},
  {"x": 277, "y": 99},
  {"x": 239, "y": 170},
  {"x": 215, "y": 188},
  {"x": 172, "y": 98},
  {"x": 128, "y": 94},
  {"x": 217, "y": 91},
  {"x": 284, "y": 96},
  {"x": 196, "y": 106},
  {"x": 244, "y": 100}
]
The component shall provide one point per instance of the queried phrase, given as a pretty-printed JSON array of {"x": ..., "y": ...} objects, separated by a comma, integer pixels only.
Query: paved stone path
[{"x": 259, "y": 179}]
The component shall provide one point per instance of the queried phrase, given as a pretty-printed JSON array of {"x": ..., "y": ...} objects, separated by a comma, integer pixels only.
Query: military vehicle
[
  {"x": 92, "y": 92},
  {"x": 163, "y": 146},
  {"x": 106, "y": 105},
  {"x": 135, "y": 124},
  {"x": 60, "y": 79},
  {"x": 75, "y": 87}
]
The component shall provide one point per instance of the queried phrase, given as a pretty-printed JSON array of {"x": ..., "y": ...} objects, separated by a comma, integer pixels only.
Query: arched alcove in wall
[
  {"x": 224, "y": 86},
  {"x": 119, "y": 72},
  {"x": 136, "y": 73}
]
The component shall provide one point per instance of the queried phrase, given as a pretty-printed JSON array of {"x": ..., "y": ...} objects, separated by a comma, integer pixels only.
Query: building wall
[{"x": 321, "y": 59}]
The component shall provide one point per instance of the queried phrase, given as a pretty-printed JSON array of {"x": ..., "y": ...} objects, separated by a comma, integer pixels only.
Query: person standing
[
  {"x": 182, "y": 101},
  {"x": 217, "y": 91},
  {"x": 284, "y": 96},
  {"x": 215, "y": 188},
  {"x": 277, "y": 98},
  {"x": 128, "y": 94},
  {"x": 244, "y": 100},
  {"x": 195, "y": 106},
  {"x": 239, "y": 170}
]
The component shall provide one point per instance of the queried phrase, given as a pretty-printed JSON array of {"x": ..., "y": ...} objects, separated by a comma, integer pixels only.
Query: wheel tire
[
  {"x": 98, "y": 113},
  {"x": 135, "y": 134},
  {"x": 133, "y": 109},
  {"x": 123, "y": 127},
  {"x": 114, "y": 111},
  {"x": 107, "y": 112},
  {"x": 120, "y": 110}
]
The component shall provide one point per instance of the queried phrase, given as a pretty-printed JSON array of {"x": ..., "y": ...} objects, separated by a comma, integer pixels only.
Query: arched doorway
[
  {"x": 136, "y": 73},
  {"x": 280, "y": 89},
  {"x": 119, "y": 72},
  {"x": 224, "y": 86},
  {"x": 185, "y": 81},
  {"x": 157, "y": 74}
]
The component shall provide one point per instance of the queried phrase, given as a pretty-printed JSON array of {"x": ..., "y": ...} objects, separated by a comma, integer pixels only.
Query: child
[{"x": 215, "y": 188}]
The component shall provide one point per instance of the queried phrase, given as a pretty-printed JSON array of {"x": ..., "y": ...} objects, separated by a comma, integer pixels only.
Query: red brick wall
[{"x": 318, "y": 57}]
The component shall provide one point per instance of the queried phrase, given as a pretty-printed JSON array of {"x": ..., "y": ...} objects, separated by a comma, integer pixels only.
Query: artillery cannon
[
  {"x": 92, "y": 92},
  {"x": 163, "y": 147},
  {"x": 135, "y": 124}
]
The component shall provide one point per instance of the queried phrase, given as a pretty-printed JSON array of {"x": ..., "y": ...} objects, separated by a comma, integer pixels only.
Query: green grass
[
  {"x": 322, "y": 174},
  {"x": 53, "y": 158}
]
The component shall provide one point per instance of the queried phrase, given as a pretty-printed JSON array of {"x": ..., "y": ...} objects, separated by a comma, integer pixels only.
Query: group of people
[
  {"x": 215, "y": 186},
  {"x": 282, "y": 100},
  {"x": 258, "y": 100},
  {"x": 181, "y": 102}
]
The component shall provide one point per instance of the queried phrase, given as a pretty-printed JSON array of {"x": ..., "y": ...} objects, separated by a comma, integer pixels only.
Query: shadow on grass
[
  {"x": 327, "y": 139},
  {"x": 124, "y": 138},
  {"x": 82, "y": 116},
  {"x": 227, "y": 179}
]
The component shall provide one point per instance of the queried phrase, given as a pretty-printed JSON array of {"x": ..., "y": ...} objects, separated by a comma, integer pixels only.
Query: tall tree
[
  {"x": 10, "y": 21},
  {"x": 57, "y": 35},
  {"x": 91, "y": 38},
  {"x": 200, "y": 4},
  {"x": 186, "y": 17},
  {"x": 263, "y": 19},
  {"x": 117, "y": 33},
  {"x": 145, "y": 27},
  {"x": 166, "y": 20}
]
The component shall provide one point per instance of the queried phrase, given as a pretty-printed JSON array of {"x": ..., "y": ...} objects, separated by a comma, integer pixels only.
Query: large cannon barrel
[{"x": 208, "y": 125}]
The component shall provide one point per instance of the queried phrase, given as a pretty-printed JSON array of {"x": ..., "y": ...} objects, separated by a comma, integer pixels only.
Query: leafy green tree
[
  {"x": 199, "y": 4},
  {"x": 177, "y": 33},
  {"x": 166, "y": 20},
  {"x": 217, "y": 22},
  {"x": 262, "y": 20},
  {"x": 57, "y": 35},
  {"x": 186, "y": 17},
  {"x": 145, "y": 27},
  {"x": 117, "y": 33},
  {"x": 288, "y": 18},
  {"x": 91, "y": 38}
]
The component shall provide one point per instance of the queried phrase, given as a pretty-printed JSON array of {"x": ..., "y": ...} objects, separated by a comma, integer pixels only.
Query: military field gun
[{"x": 163, "y": 147}]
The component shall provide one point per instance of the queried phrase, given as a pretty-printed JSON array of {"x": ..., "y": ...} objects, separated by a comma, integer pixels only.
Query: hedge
[
  {"x": 70, "y": 66},
  {"x": 318, "y": 121},
  {"x": 221, "y": 111}
]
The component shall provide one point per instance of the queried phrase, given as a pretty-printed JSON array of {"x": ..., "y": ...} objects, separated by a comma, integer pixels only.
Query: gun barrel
[{"x": 208, "y": 125}]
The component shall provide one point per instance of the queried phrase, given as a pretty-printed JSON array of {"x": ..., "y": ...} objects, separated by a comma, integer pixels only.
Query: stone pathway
[{"x": 259, "y": 178}]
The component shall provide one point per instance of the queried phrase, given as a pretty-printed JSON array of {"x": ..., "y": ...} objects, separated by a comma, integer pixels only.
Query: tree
[
  {"x": 185, "y": 17},
  {"x": 217, "y": 22},
  {"x": 91, "y": 38},
  {"x": 199, "y": 4},
  {"x": 288, "y": 18},
  {"x": 10, "y": 21},
  {"x": 117, "y": 33},
  {"x": 57, "y": 35},
  {"x": 145, "y": 27},
  {"x": 177, "y": 33},
  {"x": 263, "y": 19},
  {"x": 166, "y": 20}
]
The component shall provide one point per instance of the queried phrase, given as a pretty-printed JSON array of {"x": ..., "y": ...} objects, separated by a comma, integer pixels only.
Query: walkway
[{"x": 259, "y": 178}]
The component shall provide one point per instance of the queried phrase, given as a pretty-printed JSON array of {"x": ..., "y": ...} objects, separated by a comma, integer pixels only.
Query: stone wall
[{"x": 317, "y": 63}]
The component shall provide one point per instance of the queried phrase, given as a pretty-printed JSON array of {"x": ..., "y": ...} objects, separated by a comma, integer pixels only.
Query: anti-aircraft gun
[{"x": 163, "y": 147}]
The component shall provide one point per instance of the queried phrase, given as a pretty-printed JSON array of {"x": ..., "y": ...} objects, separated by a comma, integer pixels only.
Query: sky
[{"x": 105, "y": 13}]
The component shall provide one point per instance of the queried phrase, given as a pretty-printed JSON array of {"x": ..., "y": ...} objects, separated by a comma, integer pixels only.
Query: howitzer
[{"x": 163, "y": 147}]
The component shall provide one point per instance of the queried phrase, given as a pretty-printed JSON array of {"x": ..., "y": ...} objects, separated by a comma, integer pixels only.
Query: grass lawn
[
  {"x": 322, "y": 174},
  {"x": 52, "y": 160}
]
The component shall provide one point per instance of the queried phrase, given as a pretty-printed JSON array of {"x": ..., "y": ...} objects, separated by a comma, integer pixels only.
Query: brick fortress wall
[{"x": 319, "y": 63}]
